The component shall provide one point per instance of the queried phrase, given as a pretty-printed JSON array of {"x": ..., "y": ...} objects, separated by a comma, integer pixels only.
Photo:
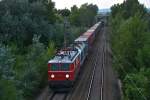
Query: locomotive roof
[
  {"x": 90, "y": 30},
  {"x": 64, "y": 56},
  {"x": 88, "y": 33},
  {"x": 81, "y": 38},
  {"x": 95, "y": 26}
]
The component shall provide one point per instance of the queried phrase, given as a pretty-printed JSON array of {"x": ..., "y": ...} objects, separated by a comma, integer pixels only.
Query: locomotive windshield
[{"x": 59, "y": 67}]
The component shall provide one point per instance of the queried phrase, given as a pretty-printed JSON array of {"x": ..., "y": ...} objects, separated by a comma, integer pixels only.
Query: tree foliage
[
  {"x": 30, "y": 32},
  {"x": 128, "y": 8},
  {"x": 64, "y": 12},
  {"x": 21, "y": 19},
  {"x": 137, "y": 85},
  {"x": 83, "y": 16},
  {"x": 131, "y": 46}
]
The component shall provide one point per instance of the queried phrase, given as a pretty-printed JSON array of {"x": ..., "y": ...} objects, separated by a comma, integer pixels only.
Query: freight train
[{"x": 64, "y": 68}]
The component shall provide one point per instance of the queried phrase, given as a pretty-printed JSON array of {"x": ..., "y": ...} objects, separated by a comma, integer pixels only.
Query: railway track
[
  {"x": 85, "y": 89},
  {"x": 58, "y": 96},
  {"x": 78, "y": 86},
  {"x": 91, "y": 80},
  {"x": 103, "y": 65},
  {"x": 85, "y": 76},
  {"x": 93, "y": 87}
]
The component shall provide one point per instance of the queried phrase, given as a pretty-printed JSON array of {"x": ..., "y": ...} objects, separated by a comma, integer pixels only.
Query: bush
[
  {"x": 136, "y": 85},
  {"x": 131, "y": 45},
  {"x": 22, "y": 75}
]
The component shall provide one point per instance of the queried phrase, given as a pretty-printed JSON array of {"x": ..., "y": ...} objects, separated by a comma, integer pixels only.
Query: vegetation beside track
[
  {"x": 30, "y": 33},
  {"x": 130, "y": 22}
]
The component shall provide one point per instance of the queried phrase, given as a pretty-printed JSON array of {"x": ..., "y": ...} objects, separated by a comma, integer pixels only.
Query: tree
[
  {"x": 50, "y": 11},
  {"x": 7, "y": 75},
  {"x": 87, "y": 14},
  {"x": 21, "y": 19},
  {"x": 128, "y": 8},
  {"x": 64, "y": 12},
  {"x": 136, "y": 85},
  {"x": 130, "y": 44},
  {"x": 7, "y": 62},
  {"x": 74, "y": 16},
  {"x": 83, "y": 16}
]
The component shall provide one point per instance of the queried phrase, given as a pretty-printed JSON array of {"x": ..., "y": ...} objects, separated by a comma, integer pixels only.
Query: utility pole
[
  {"x": 65, "y": 13},
  {"x": 65, "y": 34}
]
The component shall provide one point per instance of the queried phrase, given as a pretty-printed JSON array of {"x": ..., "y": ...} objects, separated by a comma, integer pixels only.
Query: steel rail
[
  {"x": 55, "y": 95},
  {"x": 91, "y": 82},
  {"x": 92, "y": 77},
  {"x": 91, "y": 60},
  {"x": 102, "y": 73}
]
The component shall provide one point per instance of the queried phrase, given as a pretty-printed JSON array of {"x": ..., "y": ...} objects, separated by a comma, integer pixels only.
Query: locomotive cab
[
  {"x": 60, "y": 74},
  {"x": 62, "y": 69}
]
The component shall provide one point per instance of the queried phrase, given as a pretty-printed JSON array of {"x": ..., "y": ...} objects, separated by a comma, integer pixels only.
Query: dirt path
[{"x": 111, "y": 86}]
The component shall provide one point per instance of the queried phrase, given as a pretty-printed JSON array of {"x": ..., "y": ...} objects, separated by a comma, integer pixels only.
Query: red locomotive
[{"x": 63, "y": 69}]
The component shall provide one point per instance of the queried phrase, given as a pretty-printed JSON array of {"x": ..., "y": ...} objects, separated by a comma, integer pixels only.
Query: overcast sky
[{"x": 60, "y": 4}]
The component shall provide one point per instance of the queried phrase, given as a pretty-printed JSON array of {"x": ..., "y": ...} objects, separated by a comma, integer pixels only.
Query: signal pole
[
  {"x": 65, "y": 13},
  {"x": 65, "y": 28}
]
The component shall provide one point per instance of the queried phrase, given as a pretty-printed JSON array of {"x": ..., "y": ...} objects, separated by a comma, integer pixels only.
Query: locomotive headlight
[
  {"x": 52, "y": 76},
  {"x": 67, "y": 75}
]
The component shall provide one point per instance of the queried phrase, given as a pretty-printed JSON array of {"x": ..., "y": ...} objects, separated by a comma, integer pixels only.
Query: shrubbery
[
  {"x": 30, "y": 33},
  {"x": 131, "y": 46},
  {"x": 21, "y": 75}
]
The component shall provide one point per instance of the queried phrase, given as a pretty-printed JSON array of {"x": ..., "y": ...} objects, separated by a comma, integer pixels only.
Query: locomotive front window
[
  {"x": 65, "y": 67},
  {"x": 60, "y": 67},
  {"x": 54, "y": 67}
]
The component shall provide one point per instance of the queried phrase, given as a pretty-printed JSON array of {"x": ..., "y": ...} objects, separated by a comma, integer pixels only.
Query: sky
[{"x": 102, "y": 4}]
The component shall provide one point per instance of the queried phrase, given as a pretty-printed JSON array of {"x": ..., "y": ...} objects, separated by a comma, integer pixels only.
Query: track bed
[{"x": 97, "y": 80}]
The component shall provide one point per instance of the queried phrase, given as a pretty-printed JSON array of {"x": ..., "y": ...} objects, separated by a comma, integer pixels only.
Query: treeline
[
  {"x": 130, "y": 22},
  {"x": 30, "y": 33}
]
